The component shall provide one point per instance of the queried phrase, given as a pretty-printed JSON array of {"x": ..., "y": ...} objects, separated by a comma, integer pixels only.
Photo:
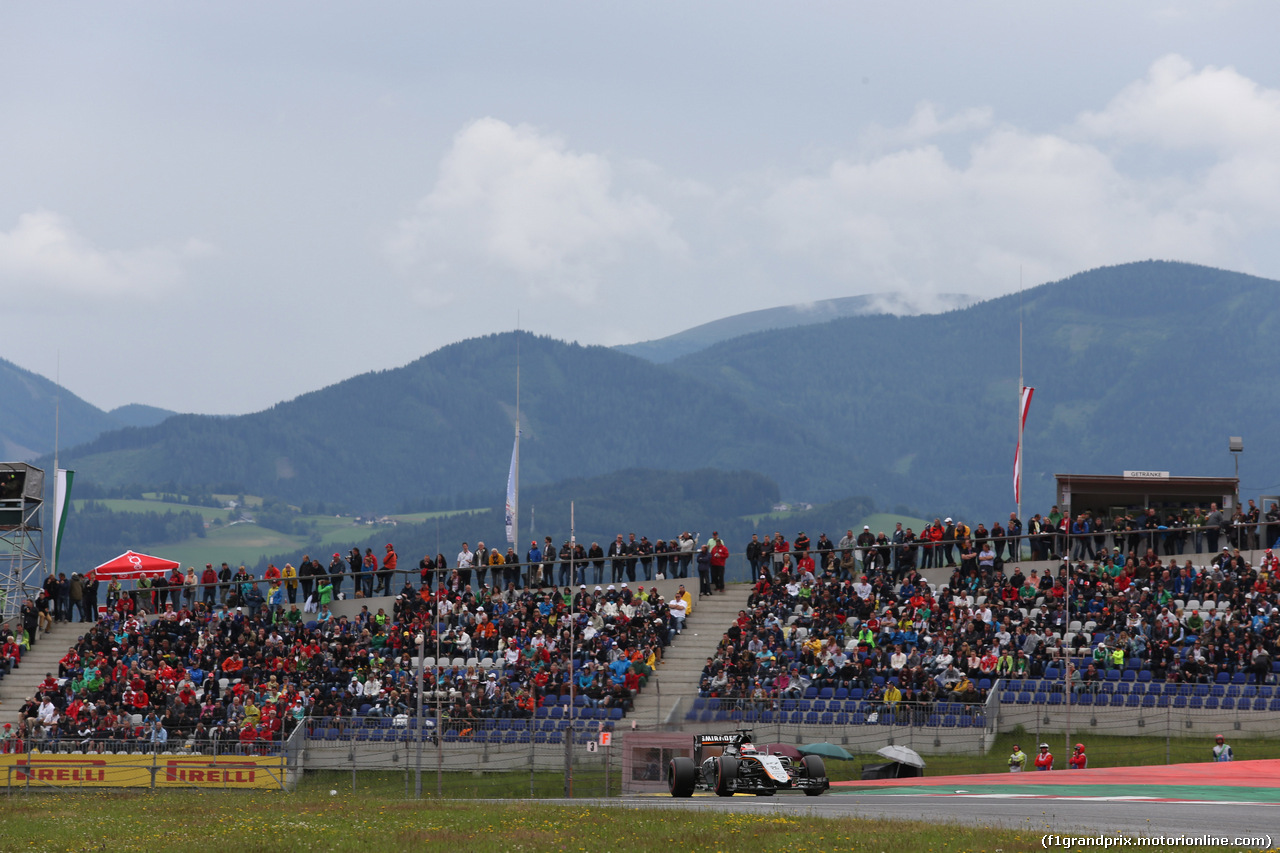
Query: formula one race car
[{"x": 730, "y": 764}]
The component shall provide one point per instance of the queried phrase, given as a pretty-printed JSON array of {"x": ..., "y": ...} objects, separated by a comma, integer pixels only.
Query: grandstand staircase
[
  {"x": 50, "y": 648},
  {"x": 659, "y": 703}
]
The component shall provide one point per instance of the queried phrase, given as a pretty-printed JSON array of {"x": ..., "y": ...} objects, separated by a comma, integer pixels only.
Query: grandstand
[{"x": 940, "y": 658}]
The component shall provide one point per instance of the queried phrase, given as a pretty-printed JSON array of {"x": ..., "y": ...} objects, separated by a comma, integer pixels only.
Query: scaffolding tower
[{"x": 21, "y": 535}]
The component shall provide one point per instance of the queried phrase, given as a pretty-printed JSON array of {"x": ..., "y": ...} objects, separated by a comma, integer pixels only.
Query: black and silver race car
[{"x": 730, "y": 764}]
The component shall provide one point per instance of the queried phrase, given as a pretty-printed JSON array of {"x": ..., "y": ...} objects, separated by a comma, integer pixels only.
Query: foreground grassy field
[{"x": 313, "y": 820}]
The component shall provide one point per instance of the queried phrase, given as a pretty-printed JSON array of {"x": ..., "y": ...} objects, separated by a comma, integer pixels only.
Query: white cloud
[
  {"x": 511, "y": 203},
  {"x": 1177, "y": 107},
  {"x": 44, "y": 251},
  {"x": 912, "y": 218},
  {"x": 927, "y": 123}
]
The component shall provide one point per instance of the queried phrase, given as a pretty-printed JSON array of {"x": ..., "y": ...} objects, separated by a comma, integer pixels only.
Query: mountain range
[
  {"x": 664, "y": 350},
  {"x": 27, "y": 423},
  {"x": 1148, "y": 365}
]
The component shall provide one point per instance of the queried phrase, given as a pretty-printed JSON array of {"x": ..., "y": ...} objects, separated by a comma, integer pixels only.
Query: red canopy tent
[{"x": 131, "y": 564}]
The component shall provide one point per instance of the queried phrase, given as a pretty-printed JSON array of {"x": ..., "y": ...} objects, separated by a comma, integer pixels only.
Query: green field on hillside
[
  {"x": 208, "y": 513},
  {"x": 245, "y": 542},
  {"x": 880, "y": 521},
  {"x": 884, "y": 522}
]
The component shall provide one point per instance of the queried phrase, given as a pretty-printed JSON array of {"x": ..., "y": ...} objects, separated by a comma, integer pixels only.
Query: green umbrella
[{"x": 826, "y": 750}]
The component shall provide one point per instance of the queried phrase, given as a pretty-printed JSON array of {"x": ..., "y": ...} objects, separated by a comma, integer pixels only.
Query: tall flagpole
[
  {"x": 1021, "y": 385},
  {"x": 52, "y": 568},
  {"x": 515, "y": 509},
  {"x": 573, "y": 622},
  {"x": 513, "y": 475}
]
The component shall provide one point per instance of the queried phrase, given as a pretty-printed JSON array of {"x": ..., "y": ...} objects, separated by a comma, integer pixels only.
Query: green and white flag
[{"x": 61, "y": 506}]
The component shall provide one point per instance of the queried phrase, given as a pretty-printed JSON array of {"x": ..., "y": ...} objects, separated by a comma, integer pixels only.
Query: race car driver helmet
[{"x": 748, "y": 749}]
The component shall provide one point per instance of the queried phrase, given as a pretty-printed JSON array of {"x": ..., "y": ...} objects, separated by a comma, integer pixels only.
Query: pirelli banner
[{"x": 142, "y": 771}]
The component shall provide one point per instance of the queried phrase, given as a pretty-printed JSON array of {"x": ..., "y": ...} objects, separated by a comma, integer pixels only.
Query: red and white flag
[{"x": 1023, "y": 405}]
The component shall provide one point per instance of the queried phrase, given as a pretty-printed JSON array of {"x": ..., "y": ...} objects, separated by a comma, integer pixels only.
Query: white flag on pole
[{"x": 1024, "y": 404}]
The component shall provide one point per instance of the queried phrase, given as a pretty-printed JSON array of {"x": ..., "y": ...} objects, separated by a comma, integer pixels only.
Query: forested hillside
[
  {"x": 1148, "y": 365},
  {"x": 1143, "y": 366}
]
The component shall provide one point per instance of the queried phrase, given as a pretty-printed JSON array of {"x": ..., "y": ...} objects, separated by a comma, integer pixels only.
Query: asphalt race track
[
  {"x": 1223, "y": 800},
  {"x": 1066, "y": 816}
]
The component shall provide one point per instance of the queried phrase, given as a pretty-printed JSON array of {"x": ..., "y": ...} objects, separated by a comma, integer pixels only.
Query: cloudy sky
[{"x": 212, "y": 207}]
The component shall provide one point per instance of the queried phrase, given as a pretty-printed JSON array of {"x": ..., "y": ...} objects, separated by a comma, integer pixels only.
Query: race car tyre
[
  {"x": 814, "y": 768},
  {"x": 726, "y": 772},
  {"x": 681, "y": 776}
]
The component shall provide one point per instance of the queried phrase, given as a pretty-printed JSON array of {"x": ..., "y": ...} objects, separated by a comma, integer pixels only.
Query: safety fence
[{"x": 474, "y": 758}]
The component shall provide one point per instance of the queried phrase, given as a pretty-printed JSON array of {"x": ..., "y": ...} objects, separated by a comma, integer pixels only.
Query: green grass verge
[
  {"x": 313, "y": 820},
  {"x": 1103, "y": 751}
]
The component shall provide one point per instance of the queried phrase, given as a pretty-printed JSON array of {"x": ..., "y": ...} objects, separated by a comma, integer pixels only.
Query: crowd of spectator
[
  {"x": 238, "y": 661},
  {"x": 858, "y": 614},
  {"x": 225, "y": 656}
]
